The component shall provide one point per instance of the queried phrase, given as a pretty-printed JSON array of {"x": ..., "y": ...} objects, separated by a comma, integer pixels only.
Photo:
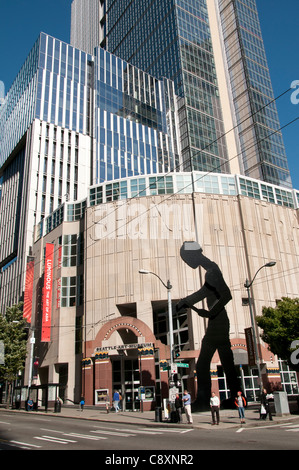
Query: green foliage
[
  {"x": 14, "y": 336},
  {"x": 280, "y": 327}
]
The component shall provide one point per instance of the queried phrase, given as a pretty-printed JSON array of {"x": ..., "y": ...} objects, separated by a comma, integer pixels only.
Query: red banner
[
  {"x": 47, "y": 294},
  {"x": 27, "y": 310}
]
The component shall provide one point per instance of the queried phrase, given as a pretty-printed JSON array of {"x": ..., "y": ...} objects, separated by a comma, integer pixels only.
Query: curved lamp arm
[
  {"x": 267, "y": 265},
  {"x": 167, "y": 286}
]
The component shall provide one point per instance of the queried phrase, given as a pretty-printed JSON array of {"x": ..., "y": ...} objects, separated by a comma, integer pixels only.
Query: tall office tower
[
  {"x": 44, "y": 140},
  {"x": 72, "y": 120},
  {"x": 213, "y": 51},
  {"x": 87, "y": 31}
]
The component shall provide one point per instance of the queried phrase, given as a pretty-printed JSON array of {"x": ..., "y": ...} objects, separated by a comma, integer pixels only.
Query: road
[{"x": 40, "y": 432}]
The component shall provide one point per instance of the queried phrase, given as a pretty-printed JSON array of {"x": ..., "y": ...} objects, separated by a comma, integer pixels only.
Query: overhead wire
[
  {"x": 205, "y": 173},
  {"x": 187, "y": 163}
]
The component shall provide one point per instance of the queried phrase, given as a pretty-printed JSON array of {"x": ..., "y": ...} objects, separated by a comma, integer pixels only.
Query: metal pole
[
  {"x": 248, "y": 285},
  {"x": 168, "y": 287},
  {"x": 32, "y": 342},
  {"x": 170, "y": 321},
  {"x": 257, "y": 357}
]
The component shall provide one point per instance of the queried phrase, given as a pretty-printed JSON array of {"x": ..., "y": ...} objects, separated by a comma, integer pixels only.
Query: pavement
[{"x": 228, "y": 418}]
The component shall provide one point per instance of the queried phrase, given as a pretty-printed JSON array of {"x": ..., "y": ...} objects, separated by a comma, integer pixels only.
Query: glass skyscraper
[
  {"x": 214, "y": 53},
  {"x": 72, "y": 120}
]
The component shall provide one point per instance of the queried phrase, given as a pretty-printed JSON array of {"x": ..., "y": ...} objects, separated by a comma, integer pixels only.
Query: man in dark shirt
[{"x": 178, "y": 404}]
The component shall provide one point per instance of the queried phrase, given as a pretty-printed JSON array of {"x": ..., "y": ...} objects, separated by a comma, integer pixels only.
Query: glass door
[
  {"x": 131, "y": 385},
  {"x": 126, "y": 379}
]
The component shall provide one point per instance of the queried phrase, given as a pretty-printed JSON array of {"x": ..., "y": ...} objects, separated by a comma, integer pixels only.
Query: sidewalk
[{"x": 228, "y": 418}]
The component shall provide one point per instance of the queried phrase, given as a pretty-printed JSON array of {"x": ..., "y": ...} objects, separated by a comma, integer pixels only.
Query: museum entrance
[{"x": 126, "y": 380}]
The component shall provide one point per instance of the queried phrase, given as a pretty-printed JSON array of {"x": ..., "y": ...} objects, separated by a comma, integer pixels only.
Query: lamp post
[
  {"x": 168, "y": 286},
  {"x": 248, "y": 285}
]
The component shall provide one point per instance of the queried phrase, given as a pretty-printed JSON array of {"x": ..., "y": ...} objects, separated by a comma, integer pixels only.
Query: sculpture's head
[{"x": 191, "y": 253}]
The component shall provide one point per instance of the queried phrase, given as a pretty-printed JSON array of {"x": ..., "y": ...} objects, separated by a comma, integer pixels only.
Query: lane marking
[
  {"x": 25, "y": 444},
  {"x": 85, "y": 436},
  {"x": 111, "y": 433},
  {"x": 56, "y": 441},
  {"x": 138, "y": 431}
]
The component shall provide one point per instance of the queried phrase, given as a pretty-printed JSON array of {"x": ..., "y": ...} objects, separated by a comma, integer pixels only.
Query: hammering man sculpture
[{"x": 217, "y": 295}]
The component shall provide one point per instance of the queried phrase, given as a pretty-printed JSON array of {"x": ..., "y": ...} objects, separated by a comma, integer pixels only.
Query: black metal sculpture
[{"x": 217, "y": 295}]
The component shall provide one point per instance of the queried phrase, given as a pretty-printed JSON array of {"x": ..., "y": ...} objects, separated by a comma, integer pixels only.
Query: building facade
[
  {"x": 96, "y": 153},
  {"x": 71, "y": 120},
  {"x": 110, "y": 324},
  {"x": 214, "y": 53}
]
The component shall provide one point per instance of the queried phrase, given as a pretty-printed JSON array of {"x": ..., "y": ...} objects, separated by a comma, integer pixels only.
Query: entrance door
[
  {"x": 131, "y": 384},
  {"x": 126, "y": 379}
]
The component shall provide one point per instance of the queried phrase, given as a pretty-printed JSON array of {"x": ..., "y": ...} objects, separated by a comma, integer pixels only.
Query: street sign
[
  {"x": 172, "y": 393},
  {"x": 182, "y": 364}
]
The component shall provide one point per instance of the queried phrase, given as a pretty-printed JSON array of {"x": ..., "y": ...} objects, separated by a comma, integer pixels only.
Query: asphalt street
[{"x": 29, "y": 431}]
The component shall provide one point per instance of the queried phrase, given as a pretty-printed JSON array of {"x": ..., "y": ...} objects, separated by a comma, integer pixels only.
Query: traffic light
[
  {"x": 177, "y": 379},
  {"x": 176, "y": 352}
]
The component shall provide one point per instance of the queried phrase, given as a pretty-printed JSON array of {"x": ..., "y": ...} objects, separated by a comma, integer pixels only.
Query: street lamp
[
  {"x": 168, "y": 286},
  {"x": 254, "y": 334}
]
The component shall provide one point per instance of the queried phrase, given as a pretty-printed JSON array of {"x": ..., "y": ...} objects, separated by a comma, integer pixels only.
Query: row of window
[{"x": 180, "y": 183}]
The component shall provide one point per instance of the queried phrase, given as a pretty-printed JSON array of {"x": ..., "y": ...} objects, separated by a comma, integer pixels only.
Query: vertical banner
[
  {"x": 250, "y": 347},
  {"x": 27, "y": 310},
  {"x": 47, "y": 294}
]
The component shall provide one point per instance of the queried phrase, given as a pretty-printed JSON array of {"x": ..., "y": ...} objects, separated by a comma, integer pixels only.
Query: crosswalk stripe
[
  {"x": 111, "y": 433},
  {"x": 60, "y": 439},
  {"x": 24, "y": 444},
  {"x": 86, "y": 436},
  {"x": 138, "y": 431},
  {"x": 293, "y": 428},
  {"x": 53, "y": 439}
]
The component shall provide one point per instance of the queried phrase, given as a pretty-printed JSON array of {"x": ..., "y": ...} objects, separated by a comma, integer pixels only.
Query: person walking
[
  {"x": 187, "y": 406},
  {"x": 265, "y": 406},
  {"x": 178, "y": 404},
  {"x": 116, "y": 399},
  {"x": 214, "y": 404},
  {"x": 240, "y": 403},
  {"x": 82, "y": 403}
]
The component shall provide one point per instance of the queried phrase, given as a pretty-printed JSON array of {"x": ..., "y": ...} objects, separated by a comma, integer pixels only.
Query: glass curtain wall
[
  {"x": 262, "y": 145},
  {"x": 169, "y": 38}
]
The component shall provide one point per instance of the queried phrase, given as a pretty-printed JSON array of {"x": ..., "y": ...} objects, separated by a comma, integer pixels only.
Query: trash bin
[
  {"x": 57, "y": 407},
  {"x": 158, "y": 414}
]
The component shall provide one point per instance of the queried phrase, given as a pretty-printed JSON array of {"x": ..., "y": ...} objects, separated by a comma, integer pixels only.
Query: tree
[
  {"x": 280, "y": 327},
  {"x": 13, "y": 334}
]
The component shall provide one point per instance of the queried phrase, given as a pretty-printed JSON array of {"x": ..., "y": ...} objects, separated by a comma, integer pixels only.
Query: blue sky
[{"x": 22, "y": 21}]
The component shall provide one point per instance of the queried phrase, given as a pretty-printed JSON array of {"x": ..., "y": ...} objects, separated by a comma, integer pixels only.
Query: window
[
  {"x": 289, "y": 380},
  {"x": 68, "y": 291},
  {"x": 69, "y": 256}
]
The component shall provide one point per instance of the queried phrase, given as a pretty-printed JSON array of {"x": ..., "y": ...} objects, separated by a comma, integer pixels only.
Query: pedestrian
[
  {"x": 215, "y": 404},
  {"x": 116, "y": 399},
  {"x": 82, "y": 403},
  {"x": 178, "y": 403},
  {"x": 265, "y": 406},
  {"x": 29, "y": 405},
  {"x": 187, "y": 406},
  {"x": 240, "y": 403}
]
